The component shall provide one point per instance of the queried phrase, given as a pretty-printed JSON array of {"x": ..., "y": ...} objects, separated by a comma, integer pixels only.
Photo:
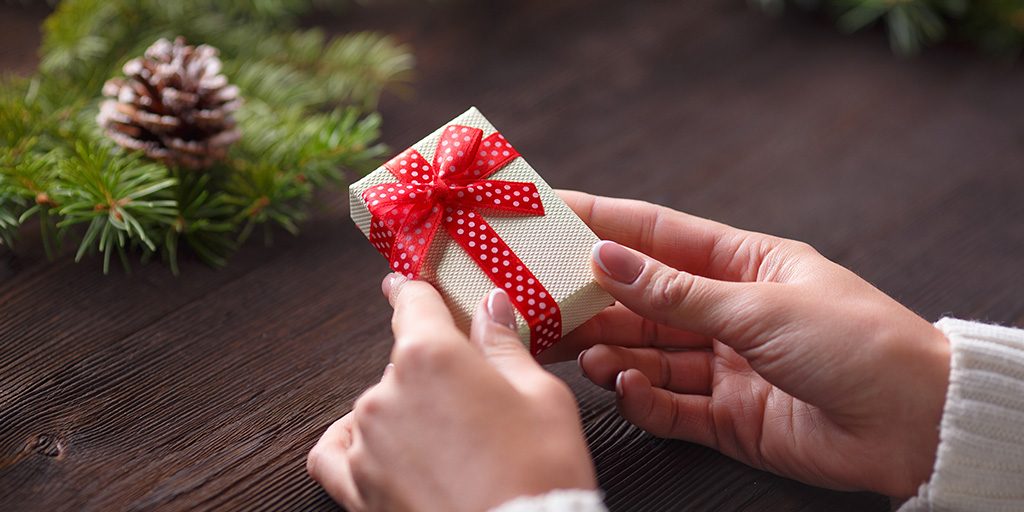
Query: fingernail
[
  {"x": 618, "y": 262},
  {"x": 499, "y": 308},
  {"x": 579, "y": 361},
  {"x": 618, "y": 384},
  {"x": 387, "y": 369},
  {"x": 389, "y": 283}
]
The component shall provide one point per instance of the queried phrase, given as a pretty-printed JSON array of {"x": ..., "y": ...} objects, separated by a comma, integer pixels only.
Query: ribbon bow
[{"x": 451, "y": 192}]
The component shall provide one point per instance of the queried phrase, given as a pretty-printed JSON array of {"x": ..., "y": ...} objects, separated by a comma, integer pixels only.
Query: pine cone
[{"x": 173, "y": 104}]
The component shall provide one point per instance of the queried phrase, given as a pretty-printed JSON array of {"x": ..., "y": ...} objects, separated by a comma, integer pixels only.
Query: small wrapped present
[{"x": 464, "y": 211}]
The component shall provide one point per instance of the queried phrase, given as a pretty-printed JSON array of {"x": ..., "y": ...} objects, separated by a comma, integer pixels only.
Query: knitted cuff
[
  {"x": 561, "y": 500},
  {"x": 980, "y": 460}
]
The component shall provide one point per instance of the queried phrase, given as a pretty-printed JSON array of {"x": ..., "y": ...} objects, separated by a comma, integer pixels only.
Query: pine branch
[
  {"x": 264, "y": 193},
  {"x": 27, "y": 186},
  {"x": 10, "y": 205},
  {"x": 351, "y": 69},
  {"x": 307, "y": 116},
  {"x": 912, "y": 24},
  {"x": 359, "y": 67},
  {"x": 123, "y": 200},
  {"x": 995, "y": 25},
  {"x": 315, "y": 147},
  {"x": 335, "y": 141},
  {"x": 74, "y": 34},
  {"x": 204, "y": 221},
  {"x": 272, "y": 83}
]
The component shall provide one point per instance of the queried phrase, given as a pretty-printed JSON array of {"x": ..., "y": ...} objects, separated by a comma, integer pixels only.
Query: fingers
[
  {"x": 617, "y": 325},
  {"x": 421, "y": 320},
  {"x": 328, "y": 463},
  {"x": 493, "y": 333},
  {"x": 728, "y": 311},
  {"x": 687, "y": 242},
  {"x": 687, "y": 372},
  {"x": 663, "y": 413}
]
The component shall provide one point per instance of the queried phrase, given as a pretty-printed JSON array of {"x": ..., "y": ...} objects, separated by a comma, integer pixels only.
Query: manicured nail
[
  {"x": 618, "y": 262},
  {"x": 387, "y": 369},
  {"x": 618, "y": 384},
  {"x": 499, "y": 308},
  {"x": 389, "y": 283},
  {"x": 579, "y": 361}
]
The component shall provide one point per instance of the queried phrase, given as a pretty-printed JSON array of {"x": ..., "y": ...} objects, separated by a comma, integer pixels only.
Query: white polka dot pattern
[
  {"x": 508, "y": 272},
  {"x": 452, "y": 191}
]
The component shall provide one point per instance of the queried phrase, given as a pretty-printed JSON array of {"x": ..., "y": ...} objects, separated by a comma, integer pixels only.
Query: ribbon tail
[
  {"x": 380, "y": 236},
  {"x": 504, "y": 268},
  {"x": 412, "y": 242}
]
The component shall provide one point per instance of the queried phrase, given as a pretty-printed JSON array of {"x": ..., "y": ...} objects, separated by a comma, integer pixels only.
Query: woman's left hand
[{"x": 454, "y": 424}]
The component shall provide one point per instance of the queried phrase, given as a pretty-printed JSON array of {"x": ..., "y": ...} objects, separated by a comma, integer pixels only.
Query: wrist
[
  {"x": 564, "y": 463},
  {"x": 933, "y": 376}
]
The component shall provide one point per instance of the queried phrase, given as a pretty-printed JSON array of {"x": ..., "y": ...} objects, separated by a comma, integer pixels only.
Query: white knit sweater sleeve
[
  {"x": 980, "y": 461},
  {"x": 561, "y": 500}
]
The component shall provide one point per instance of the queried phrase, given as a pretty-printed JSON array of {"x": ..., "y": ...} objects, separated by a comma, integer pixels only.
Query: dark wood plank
[
  {"x": 19, "y": 36},
  {"x": 205, "y": 391}
]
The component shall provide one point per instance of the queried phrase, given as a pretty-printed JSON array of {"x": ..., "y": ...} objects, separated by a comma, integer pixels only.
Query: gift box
[{"x": 464, "y": 211}]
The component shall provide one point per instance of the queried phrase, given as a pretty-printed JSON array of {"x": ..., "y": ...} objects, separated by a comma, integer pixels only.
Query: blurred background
[
  {"x": 766, "y": 117},
  {"x": 774, "y": 121}
]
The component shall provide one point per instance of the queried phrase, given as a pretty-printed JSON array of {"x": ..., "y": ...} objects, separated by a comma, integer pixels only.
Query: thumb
[
  {"x": 493, "y": 332},
  {"x": 732, "y": 312}
]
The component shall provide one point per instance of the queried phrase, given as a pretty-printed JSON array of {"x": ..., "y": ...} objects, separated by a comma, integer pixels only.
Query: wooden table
[{"x": 147, "y": 391}]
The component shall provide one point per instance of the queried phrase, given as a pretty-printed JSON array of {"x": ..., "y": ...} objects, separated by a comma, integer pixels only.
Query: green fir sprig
[
  {"x": 996, "y": 26},
  {"x": 307, "y": 119}
]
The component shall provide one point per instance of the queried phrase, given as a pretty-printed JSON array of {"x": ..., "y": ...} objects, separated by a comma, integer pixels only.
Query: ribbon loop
[{"x": 455, "y": 151}]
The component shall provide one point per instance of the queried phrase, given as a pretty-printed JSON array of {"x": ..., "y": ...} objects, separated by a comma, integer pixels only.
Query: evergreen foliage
[
  {"x": 996, "y": 26},
  {"x": 308, "y": 116}
]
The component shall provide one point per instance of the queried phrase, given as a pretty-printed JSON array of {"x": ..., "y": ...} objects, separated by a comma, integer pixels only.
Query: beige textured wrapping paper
[{"x": 555, "y": 246}]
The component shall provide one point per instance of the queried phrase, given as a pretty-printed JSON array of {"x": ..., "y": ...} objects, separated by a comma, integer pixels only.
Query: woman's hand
[
  {"x": 453, "y": 425},
  {"x": 761, "y": 348}
]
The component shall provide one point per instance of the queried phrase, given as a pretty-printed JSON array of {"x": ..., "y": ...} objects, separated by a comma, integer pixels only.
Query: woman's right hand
[{"x": 761, "y": 348}]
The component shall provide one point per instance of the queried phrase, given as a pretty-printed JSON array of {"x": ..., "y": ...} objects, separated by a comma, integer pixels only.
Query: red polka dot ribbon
[{"x": 452, "y": 192}]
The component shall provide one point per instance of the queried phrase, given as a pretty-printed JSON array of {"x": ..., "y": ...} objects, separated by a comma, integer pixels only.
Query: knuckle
[
  {"x": 359, "y": 464},
  {"x": 420, "y": 352},
  {"x": 557, "y": 391},
  {"x": 669, "y": 289},
  {"x": 664, "y": 369},
  {"x": 798, "y": 247},
  {"x": 649, "y": 331},
  {"x": 502, "y": 345},
  {"x": 369, "y": 405}
]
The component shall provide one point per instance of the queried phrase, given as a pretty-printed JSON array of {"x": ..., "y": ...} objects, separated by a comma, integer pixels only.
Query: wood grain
[{"x": 145, "y": 391}]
